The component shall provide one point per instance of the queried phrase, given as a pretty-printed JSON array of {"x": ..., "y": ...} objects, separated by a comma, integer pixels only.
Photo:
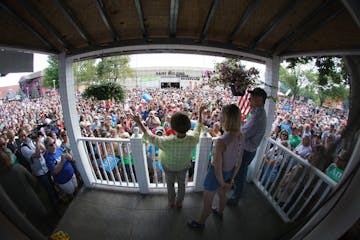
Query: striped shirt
[{"x": 175, "y": 153}]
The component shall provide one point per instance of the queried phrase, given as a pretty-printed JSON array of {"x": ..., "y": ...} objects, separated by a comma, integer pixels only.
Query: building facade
[{"x": 164, "y": 77}]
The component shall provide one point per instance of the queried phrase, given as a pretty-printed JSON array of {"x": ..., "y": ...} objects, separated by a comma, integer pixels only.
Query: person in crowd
[
  {"x": 307, "y": 130},
  {"x": 316, "y": 157},
  {"x": 96, "y": 123},
  {"x": 286, "y": 125},
  {"x": 304, "y": 149},
  {"x": 53, "y": 135},
  {"x": 283, "y": 136},
  {"x": 215, "y": 130},
  {"x": 33, "y": 151},
  {"x": 273, "y": 159},
  {"x": 152, "y": 121},
  {"x": 153, "y": 157},
  {"x": 121, "y": 131},
  {"x": 336, "y": 169},
  {"x": 275, "y": 134},
  {"x": 65, "y": 145},
  {"x": 11, "y": 143},
  {"x": 58, "y": 163},
  {"x": 294, "y": 138},
  {"x": 6, "y": 150},
  {"x": 224, "y": 166},
  {"x": 175, "y": 152},
  {"x": 315, "y": 140},
  {"x": 253, "y": 131}
]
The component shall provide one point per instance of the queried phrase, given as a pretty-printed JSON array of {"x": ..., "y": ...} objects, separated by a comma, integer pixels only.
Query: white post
[
  {"x": 68, "y": 101},
  {"x": 271, "y": 88},
  {"x": 202, "y": 161},
  {"x": 140, "y": 162},
  {"x": 53, "y": 85}
]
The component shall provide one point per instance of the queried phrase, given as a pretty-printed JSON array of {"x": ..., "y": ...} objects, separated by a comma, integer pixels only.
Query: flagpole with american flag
[{"x": 244, "y": 104}]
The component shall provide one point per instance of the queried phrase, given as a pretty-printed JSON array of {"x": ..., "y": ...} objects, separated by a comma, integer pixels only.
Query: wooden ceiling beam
[
  {"x": 140, "y": 15},
  {"x": 74, "y": 21},
  {"x": 106, "y": 19},
  {"x": 209, "y": 19},
  {"x": 174, "y": 12},
  {"x": 45, "y": 23},
  {"x": 273, "y": 23},
  {"x": 290, "y": 36},
  {"x": 243, "y": 19},
  {"x": 310, "y": 30},
  {"x": 353, "y": 7},
  {"x": 26, "y": 25}
]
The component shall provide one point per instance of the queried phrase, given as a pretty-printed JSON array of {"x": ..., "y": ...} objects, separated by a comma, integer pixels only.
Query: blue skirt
[{"x": 211, "y": 183}]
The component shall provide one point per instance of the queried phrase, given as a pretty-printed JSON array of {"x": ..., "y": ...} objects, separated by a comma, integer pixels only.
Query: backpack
[{"x": 20, "y": 157}]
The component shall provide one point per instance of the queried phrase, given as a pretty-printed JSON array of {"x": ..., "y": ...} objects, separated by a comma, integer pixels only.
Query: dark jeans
[
  {"x": 240, "y": 177},
  {"x": 47, "y": 183}
]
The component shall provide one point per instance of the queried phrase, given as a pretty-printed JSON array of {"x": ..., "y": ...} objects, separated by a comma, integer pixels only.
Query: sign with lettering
[{"x": 334, "y": 172}]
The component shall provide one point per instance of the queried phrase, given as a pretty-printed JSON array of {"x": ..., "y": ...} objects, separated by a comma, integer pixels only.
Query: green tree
[
  {"x": 35, "y": 92},
  {"x": 114, "y": 68},
  {"x": 333, "y": 93},
  {"x": 85, "y": 71},
  {"x": 328, "y": 81},
  {"x": 21, "y": 93},
  {"x": 291, "y": 80},
  {"x": 106, "y": 90},
  {"x": 51, "y": 73},
  {"x": 330, "y": 69}
]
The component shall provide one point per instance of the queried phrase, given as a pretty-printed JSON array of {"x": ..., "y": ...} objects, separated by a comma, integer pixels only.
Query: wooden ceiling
[{"x": 260, "y": 27}]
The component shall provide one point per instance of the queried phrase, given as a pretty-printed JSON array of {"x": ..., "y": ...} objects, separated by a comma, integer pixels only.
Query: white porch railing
[
  {"x": 123, "y": 164},
  {"x": 293, "y": 186}
]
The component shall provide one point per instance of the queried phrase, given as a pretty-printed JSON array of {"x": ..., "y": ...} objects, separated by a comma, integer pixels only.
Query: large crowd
[{"x": 34, "y": 128}]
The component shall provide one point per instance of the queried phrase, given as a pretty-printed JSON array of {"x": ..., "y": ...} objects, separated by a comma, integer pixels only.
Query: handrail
[
  {"x": 290, "y": 183},
  {"x": 304, "y": 162}
]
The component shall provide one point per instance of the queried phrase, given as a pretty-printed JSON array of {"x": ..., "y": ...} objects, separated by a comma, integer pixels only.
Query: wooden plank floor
[{"x": 101, "y": 214}]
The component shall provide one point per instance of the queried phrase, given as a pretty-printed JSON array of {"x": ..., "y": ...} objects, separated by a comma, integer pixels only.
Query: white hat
[{"x": 47, "y": 121}]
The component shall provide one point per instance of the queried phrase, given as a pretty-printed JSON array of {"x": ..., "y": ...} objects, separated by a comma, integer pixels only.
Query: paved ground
[{"x": 102, "y": 214}]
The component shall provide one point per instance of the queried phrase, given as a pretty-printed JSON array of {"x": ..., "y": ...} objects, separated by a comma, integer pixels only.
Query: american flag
[{"x": 244, "y": 104}]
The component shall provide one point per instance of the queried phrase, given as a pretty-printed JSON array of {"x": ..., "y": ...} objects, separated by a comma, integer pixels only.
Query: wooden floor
[{"x": 101, "y": 214}]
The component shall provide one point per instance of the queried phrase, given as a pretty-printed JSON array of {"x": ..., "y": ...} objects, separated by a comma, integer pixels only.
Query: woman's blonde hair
[{"x": 231, "y": 117}]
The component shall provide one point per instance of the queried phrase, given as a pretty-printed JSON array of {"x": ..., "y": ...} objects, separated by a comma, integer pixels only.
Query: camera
[{"x": 35, "y": 133}]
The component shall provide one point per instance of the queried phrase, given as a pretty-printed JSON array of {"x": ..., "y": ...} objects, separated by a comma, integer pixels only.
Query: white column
[
  {"x": 202, "y": 161},
  {"x": 271, "y": 88},
  {"x": 71, "y": 119},
  {"x": 140, "y": 163}
]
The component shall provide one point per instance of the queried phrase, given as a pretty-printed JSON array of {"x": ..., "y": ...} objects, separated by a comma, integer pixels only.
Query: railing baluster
[
  {"x": 318, "y": 184},
  {"x": 123, "y": 164},
  {"x": 102, "y": 161},
  {"x": 91, "y": 157},
  {"x": 306, "y": 187},
  {"x": 279, "y": 193},
  {"x": 295, "y": 189},
  {"x": 321, "y": 199},
  {"x": 130, "y": 164},
  {"x": 117, "y": 165}
]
